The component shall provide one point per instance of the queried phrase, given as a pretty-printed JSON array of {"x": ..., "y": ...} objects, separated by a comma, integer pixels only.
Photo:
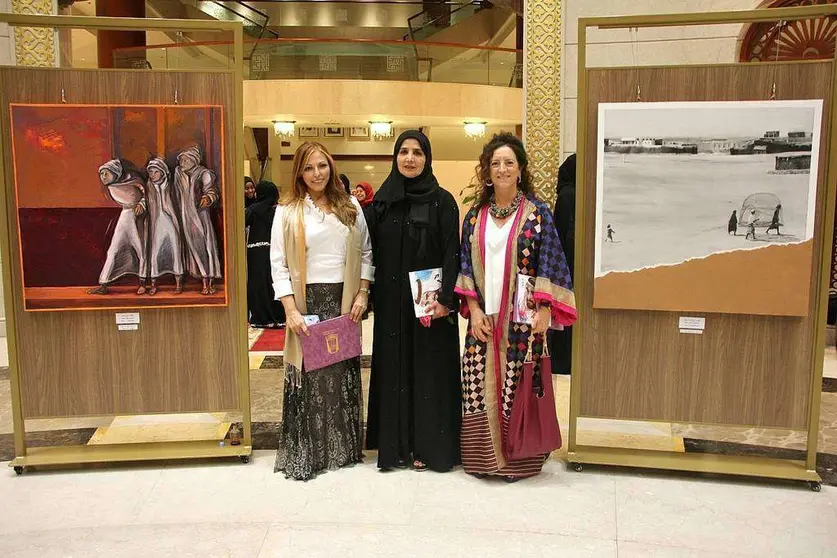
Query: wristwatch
[{"x": 364, "y": 290}]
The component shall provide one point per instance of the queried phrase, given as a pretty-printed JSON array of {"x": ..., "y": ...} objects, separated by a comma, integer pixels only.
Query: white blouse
[
  {"x": 325, "y": 243},
  {"x": 496, "y": 241}
]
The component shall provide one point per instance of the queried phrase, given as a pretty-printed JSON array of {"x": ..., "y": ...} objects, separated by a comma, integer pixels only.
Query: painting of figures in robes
[
  {"x": 120, "y": 206},
  {"x": 707, "y": 206}
]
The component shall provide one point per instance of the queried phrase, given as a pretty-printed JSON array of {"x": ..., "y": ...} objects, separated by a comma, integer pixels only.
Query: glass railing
[
  {"x": 341, "y": 59},
  {"x": 440, "y": 16}
]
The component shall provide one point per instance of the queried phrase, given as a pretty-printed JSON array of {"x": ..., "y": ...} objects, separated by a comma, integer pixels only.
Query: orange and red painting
[{"x": 120, "y": 206}]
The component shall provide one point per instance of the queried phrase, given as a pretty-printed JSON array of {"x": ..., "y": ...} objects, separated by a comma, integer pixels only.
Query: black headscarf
[
  {"x": 419, "y": 191},
  {"x": 267, "y": 194},
  {"x": 248, "y": 201},
  {"x": 566, "y": 172},
  {"x": 346, "y": 183}
]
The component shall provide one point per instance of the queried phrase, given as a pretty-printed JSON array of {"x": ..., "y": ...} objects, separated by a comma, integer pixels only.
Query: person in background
[
  {"x": 321, "y": 259},
  {"x": 347, "y": 185},
  {"x": 364, "y": 194},
  {"x": 732, "y": 226},
  {"x": 249, "y": 192},
  {"x": 414, "y": 395},
  {"x": 508, "y": 232},
  {"x": 263, "y": 309},
  {"x": 561, "y": 341}
]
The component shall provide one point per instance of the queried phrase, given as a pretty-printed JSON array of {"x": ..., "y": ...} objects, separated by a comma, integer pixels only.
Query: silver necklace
[{"x": 504, "y": 212}]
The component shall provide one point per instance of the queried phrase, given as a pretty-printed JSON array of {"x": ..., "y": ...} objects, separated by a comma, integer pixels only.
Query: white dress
[
  {"x": 126, "y": 254},
  {"x": 166, "y": 253},
  {"x": 496, "y": 242},
  {"x": 201, "y": 245}
]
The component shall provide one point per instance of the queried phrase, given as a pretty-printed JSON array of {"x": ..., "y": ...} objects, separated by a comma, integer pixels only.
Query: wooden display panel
[
  {"x": 180, "y": 359},
  {"x": 744, "y": 370}
]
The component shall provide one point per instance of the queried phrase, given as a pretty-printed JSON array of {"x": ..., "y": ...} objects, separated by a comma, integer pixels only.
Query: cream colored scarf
[{"x": 296, "y": 254}]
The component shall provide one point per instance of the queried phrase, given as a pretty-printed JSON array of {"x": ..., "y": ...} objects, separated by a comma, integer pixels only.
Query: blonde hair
[{"x": 338, "y": 198}]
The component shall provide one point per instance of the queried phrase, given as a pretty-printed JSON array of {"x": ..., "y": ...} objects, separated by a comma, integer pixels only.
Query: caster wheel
[
  {"x": 578, "y": 467},
  {"x": 245, "y": 459},
  {"x": 18, "y": 471},
  {"x": 815, "y": 486}
]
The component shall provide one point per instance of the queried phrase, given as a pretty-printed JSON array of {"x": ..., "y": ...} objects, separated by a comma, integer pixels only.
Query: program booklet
[
  {"x": 425, "y": 285},
  {"x": 524, "y": 300}
]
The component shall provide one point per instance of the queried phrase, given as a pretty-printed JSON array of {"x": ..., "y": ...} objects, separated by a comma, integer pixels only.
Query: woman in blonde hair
[{"x": 321, "y": 261}]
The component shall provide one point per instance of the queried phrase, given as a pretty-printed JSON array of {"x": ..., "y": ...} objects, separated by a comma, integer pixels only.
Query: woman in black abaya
[
  {"x": 415, "y": 393},
  {"x": 263, "y": 310}
]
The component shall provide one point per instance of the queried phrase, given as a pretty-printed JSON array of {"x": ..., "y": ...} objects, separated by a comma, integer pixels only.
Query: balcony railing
[{"x": 340, "y": 59}]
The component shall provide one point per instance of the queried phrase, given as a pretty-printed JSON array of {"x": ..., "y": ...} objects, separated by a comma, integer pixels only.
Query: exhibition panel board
[
  {"x": 700, "y": 248},
  {"x": 123, "y": 246}
]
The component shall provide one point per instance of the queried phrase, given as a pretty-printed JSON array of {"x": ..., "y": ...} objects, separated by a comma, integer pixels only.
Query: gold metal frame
[
  {"x": 702, "y": 463},
  {"x": 67, "y": 455}
]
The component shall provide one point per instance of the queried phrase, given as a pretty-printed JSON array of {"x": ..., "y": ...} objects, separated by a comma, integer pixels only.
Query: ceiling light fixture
[
  {"x": 380, "y": 130},
  {"x": 475, "y": 130},
  {"x": 284, "y": 128}
]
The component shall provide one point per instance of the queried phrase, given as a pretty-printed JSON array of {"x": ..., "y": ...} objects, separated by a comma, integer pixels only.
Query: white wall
[{"x": 676, "y": 45}]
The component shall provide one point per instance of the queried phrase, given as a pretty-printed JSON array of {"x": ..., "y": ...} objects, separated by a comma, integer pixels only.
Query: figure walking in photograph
[
  {"x": 126, "y": 254},
  {"x": 197, "y": 192},
  {"x": 263, "y": 308},
  {"x": 610, "y": 233},
  {"x": 165, "y": 248},
  {"x": 321, "y": 259},
  {"x": 415, "y": 403},
  {"x": 751, "y": 231},
  {"x": 775, "y": 221},
  {"x": 732, "y": 226},
  {"x": 508, "y": 232}
]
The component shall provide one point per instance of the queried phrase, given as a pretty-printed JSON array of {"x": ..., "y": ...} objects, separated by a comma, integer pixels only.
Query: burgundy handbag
[
  {"x": 330, "y": 342},
  {"x": 533, "y": 426}
]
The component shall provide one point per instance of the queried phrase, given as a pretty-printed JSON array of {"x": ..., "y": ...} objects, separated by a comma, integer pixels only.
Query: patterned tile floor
[{"x": 266, "y": 385}]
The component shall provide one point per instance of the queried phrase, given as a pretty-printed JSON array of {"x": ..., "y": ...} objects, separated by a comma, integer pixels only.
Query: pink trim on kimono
[
  {"x": 464, "y": 311},
  {"x": 562, "y": 314}
]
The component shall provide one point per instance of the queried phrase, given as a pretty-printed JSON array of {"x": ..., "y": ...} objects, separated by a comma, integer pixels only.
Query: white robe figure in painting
[
  {"x": 165, "y": 248},
  {"x": 197, "y": 192},
  {"x": 126, "y": 254}
]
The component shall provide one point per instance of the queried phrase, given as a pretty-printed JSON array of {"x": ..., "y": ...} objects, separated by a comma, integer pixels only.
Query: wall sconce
[
  {"x": 380, "y": 130},
  {"x": 475, "y": 130},
  {"x": 284, "y": 128}
]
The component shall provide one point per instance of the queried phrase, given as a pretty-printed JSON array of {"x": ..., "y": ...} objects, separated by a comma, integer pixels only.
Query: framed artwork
[
  {"x": 707, "y": 206},
  {"x": 309, "y": 132},
  {"x": 359, "y": 132},
  {"x": 120, "y": 206},
  {"x": 333, "y": 132}
]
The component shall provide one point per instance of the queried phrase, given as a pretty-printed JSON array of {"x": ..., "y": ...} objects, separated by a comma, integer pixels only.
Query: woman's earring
[{"x": 489, "y": 184}]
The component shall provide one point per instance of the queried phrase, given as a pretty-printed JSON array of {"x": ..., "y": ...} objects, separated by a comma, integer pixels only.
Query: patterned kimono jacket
[{"x": 492, "y": 371}]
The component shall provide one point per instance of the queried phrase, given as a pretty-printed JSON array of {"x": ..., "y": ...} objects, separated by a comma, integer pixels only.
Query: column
[
  {"x": 542, "y": 94},
  {"x": 34, "y": 46},
  {"x": 110, "y": 40}
]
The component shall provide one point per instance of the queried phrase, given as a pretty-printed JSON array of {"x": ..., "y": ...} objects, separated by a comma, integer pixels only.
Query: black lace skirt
[{"x": 321, "y": 421}]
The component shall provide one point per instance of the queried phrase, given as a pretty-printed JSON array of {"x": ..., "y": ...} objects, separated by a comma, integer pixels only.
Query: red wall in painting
[{"x": 66, "y": 221}]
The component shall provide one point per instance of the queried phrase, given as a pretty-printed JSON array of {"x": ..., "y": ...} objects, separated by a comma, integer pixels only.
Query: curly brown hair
[{"x": 484, "y": 188}]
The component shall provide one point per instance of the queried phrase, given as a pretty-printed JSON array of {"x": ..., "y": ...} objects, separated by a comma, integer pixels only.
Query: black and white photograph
[
  {"x": 333, "y": 132},
  {"x": 309, "y": 132},
  {"x": 686, "y": 180}
]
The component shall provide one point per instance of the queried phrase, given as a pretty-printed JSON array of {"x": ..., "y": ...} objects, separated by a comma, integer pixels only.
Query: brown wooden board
[
  {"x": 78, "y": 363},
  {"x": 744, "y": 369}
]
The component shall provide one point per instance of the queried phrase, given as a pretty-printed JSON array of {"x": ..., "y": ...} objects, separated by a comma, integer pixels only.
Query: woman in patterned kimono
[
  {"x": 165, "y": 250},
  {"x": 126, "y": 254},
  {"x": 507, "y": 232},
  {"x": 321, "y": 261},
  {"x": 197, "y": 191}
]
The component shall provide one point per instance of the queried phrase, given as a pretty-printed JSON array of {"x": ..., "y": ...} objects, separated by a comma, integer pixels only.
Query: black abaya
[
  {"x": 561, "y": 342},
  {"x": 263, "y": 309},
  {"x": 415, "y": 392}
]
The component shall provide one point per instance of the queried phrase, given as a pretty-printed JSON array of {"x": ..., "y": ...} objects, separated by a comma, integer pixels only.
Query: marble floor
[{"x": 230, "y": 509}]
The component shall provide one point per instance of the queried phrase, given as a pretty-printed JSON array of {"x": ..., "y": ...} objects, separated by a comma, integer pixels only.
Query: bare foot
[
  {"x": 205, "y": 291},
  {"x": 142, "y": 290},
  {"x": 153, "y": 290},
  {"x": 100, "y": 290},
  {"x": 178, "y": 289},
  {"x": 212, "y": 289}
]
